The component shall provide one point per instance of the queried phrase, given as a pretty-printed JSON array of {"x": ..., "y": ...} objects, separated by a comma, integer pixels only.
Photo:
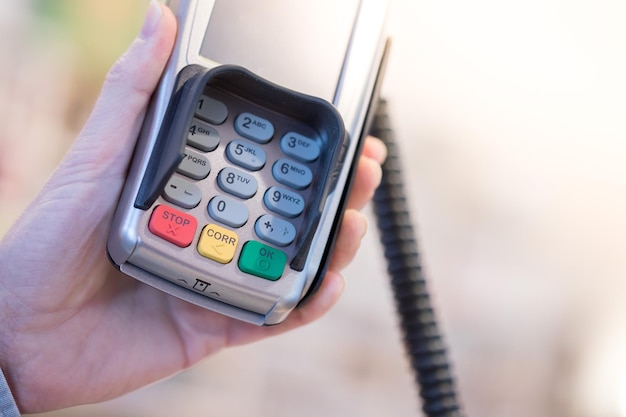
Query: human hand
[{"x": 74, "y": 330}]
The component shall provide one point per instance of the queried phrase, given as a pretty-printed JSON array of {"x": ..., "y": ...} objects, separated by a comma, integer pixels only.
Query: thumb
[
  {"x": 104, "y": 147},
  {"x": 72, "y": 212}
]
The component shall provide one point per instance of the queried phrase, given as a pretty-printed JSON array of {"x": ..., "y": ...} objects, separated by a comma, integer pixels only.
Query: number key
[
  {"x": 194, "y": 165},
  {"x": 292, "y": 174},
  {"x": 246, "y": 154},
  {"x": 228, "y": 211},
  {"x": 237, "y": 182},
  {"x": 254, "y": 127},
  {"x": 282, "y": 201},
  {"x": 211, "y": 110},
  {"x": 300, "y": 146},
  {"x": 202, "y": 136}
]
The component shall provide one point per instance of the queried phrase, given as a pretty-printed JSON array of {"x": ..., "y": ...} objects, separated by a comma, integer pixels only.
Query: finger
[
  {"x": 315, "y": 307},
  {"x": 105, "y": 145},
  {"x": 353, "y": 228},
  {"x": 375, "y": 149},
  {"x": 369, "y": 173},
  {"x": 319, "y": 304},
  {"x": 368, "y": 177}
]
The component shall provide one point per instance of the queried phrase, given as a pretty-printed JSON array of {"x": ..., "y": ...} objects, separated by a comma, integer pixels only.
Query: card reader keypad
[{"x": 261, "y": 162}]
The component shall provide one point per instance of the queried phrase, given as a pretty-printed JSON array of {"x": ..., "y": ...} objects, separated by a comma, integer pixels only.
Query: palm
[{"x": 115, "y": 334}]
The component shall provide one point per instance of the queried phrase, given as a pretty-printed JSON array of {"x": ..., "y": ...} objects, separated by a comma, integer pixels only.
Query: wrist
[
  {"x": 8, "y": 406},
  {"x": 7, "y": 388}
]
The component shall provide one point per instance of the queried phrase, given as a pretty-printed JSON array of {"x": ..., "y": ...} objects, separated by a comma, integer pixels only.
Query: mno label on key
[{"x": 292, "y": 173}]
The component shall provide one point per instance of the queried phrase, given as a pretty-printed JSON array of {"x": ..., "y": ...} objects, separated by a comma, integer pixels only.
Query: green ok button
[{"x": 262, "y": 260}]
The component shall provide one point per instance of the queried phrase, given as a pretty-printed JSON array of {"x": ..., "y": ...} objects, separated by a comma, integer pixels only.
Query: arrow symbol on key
[{"x": 218, "y": 248}]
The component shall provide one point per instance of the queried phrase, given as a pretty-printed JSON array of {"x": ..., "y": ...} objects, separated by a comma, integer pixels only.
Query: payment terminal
[{"x": 243, "y": 167}]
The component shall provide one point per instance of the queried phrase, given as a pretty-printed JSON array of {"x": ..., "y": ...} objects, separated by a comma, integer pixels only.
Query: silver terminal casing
[{"x": 345, "y": 63}]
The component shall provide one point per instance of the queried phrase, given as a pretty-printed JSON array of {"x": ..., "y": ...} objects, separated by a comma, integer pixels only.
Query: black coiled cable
[{"x": 422, "y": 338}]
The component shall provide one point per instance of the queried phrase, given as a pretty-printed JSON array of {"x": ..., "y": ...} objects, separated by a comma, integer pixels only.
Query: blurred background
[{"x": 510, "y": 116}]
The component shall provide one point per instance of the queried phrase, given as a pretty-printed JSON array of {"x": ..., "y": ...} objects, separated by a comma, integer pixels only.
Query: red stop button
[{"x": 173, "y": 225}]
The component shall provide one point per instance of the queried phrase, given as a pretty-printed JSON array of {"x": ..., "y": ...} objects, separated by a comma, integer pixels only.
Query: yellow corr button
[{"x": 217, "y": 243}]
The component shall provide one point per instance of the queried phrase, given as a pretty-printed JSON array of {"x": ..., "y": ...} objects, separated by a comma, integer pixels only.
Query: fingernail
[{"x": 153, "y": 16}]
